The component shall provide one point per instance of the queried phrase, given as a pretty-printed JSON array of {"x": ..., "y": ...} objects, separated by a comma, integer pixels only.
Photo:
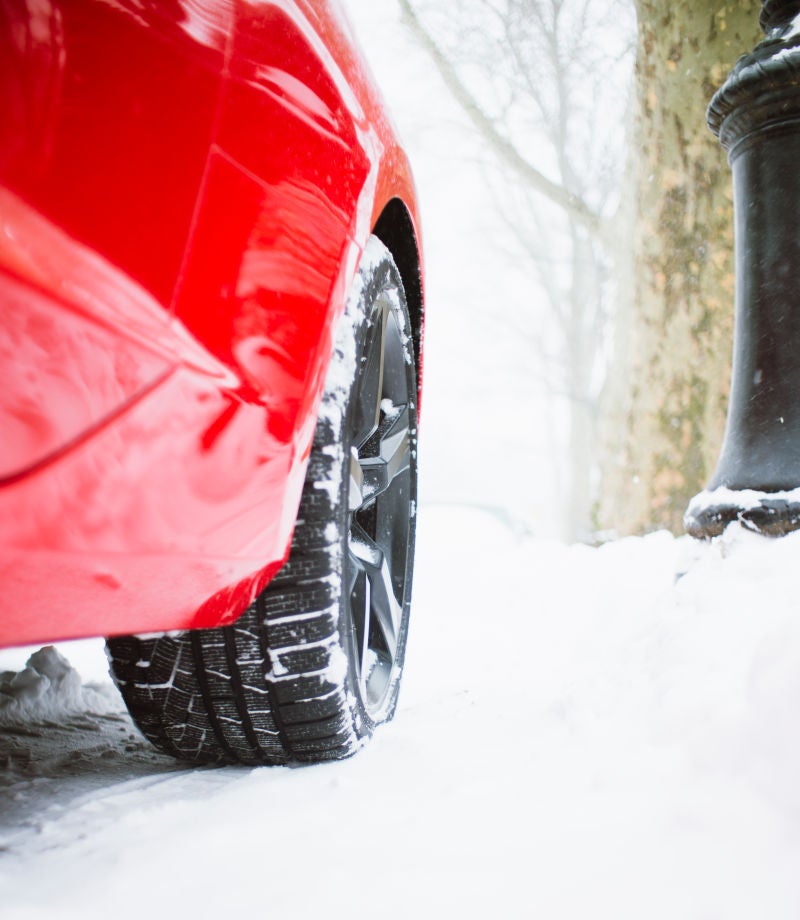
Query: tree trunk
[{"x": 683, "y": 289}]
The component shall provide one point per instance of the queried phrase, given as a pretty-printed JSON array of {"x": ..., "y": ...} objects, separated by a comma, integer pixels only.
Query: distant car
[{"x": 212, "y": 312}]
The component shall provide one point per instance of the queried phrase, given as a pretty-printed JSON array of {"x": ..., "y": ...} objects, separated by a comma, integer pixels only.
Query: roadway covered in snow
[{"x": 582, "y": 732}]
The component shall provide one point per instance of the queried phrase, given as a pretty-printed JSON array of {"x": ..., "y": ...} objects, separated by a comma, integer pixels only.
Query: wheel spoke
[
  {"x": 368, "y": 399},
  {"x": 394, "y": 456},
  {"x": 363, "y": 646},
  {"x": 384, "y": 607},
  {"x": 356, "y": 490},
  {"x": 359, "y": 592}
]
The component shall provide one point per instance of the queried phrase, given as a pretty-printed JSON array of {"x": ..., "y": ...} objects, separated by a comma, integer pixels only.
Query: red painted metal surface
[{"x": 185, "y": 189}]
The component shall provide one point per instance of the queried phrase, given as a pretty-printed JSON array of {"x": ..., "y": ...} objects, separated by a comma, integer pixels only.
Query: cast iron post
[{"x": 756, "y": 115}]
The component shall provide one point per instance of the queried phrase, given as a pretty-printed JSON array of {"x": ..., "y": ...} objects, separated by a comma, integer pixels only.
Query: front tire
[{"x": 313, "y": 666}]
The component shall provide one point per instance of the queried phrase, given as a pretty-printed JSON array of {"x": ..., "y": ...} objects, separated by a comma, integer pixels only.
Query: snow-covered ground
[{"x": 582, "y": 732}]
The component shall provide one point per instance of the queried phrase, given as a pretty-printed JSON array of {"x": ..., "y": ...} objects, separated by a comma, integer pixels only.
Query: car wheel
[{"x": 314, "y": 664}]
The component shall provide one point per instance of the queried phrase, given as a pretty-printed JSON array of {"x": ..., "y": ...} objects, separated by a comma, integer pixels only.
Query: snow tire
[{"x": 314, "y": 664}]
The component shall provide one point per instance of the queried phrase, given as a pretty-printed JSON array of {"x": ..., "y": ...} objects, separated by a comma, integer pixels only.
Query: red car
[{"x": 212, "y": 313}]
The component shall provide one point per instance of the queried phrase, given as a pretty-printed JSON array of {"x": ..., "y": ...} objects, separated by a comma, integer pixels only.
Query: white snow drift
[
  {"x": 48, "y": 689},
  {"x": 583, "y": 732}
]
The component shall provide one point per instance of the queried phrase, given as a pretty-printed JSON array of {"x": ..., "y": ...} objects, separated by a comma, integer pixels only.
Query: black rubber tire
[{"x": 288, "y": 682}]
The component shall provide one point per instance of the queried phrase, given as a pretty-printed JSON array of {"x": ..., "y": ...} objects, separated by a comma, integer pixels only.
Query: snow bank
[
  {"x": 49, "y": 689},
  {"x": 582, "y": 732}
]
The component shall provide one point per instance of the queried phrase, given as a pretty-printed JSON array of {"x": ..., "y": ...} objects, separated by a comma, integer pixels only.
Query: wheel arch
[{"x": 395, "y": 229}]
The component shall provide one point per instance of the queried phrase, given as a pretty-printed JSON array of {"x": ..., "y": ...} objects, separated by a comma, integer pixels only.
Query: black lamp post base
[
  {"x": 772, "y": 513},
  {"x": 756, "y": 115}
]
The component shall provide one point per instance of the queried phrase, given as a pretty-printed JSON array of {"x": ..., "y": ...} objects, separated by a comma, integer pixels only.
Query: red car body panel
[{"x": 185, "y": 190}]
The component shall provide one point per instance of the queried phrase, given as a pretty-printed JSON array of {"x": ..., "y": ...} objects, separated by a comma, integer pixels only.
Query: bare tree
[{"x": 544, "y": 83}]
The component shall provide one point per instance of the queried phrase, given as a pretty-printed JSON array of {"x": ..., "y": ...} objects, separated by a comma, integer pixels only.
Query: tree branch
[{"x": 560, "y": 196}]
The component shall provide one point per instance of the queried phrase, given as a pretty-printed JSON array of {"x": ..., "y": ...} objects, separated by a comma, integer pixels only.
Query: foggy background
[{"x": 508, "y": 371}]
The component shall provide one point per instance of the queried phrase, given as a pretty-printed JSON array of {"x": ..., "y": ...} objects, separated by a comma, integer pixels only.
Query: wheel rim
[{"x": 380, "y": 492}]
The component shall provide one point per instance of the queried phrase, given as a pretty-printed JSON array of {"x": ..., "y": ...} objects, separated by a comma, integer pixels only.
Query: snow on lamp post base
[{"x": 756, "y": 115}]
